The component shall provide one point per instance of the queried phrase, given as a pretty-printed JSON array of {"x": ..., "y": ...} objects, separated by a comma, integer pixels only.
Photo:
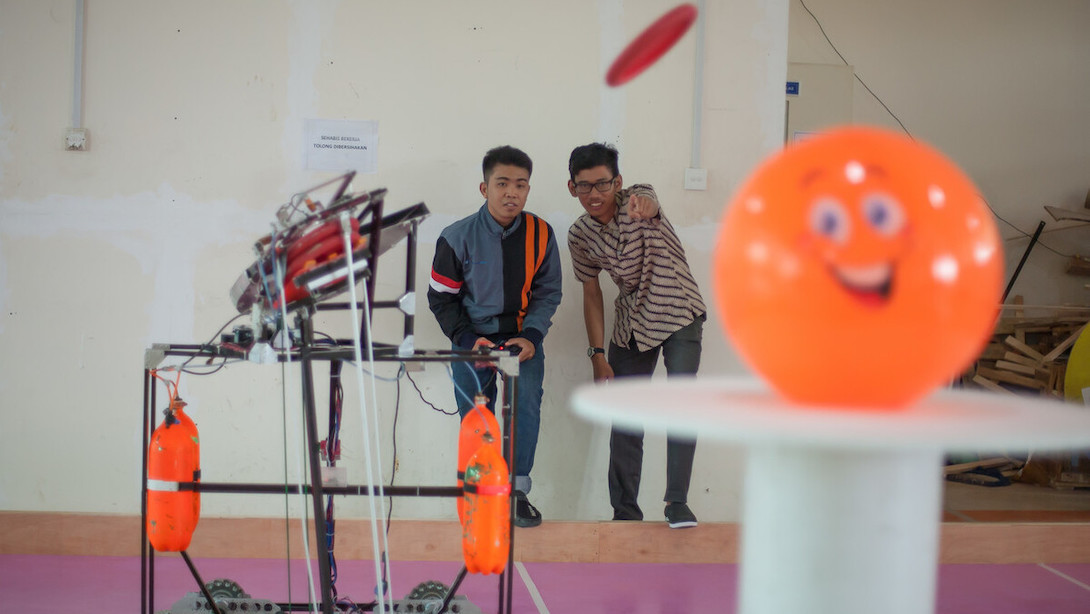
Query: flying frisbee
[{"x": 651, "y": 44}]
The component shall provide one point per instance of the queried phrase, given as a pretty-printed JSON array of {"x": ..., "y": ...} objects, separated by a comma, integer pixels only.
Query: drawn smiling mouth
[{"x": 871, "y": 285}]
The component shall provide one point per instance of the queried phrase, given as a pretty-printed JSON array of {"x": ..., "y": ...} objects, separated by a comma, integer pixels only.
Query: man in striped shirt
[
  {"x": 496, "y": 279},
  {"x": 658, "y": 310}
]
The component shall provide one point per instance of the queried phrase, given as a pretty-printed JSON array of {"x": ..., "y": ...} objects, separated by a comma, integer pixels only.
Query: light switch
[{"x": 696, "y": 179}]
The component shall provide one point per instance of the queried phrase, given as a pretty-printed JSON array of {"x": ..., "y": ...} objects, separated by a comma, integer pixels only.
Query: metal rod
[
  {"x": 200, "y": 582},
  {"x": 510, "y": 402},
  {"x": 453, "y": 587},
  {"x": 410, "y": 275},
  {"x": 311, "y": 414},
  {"x": 293, "y": 489},
  {"x": 144, "y": 578},
  {"x": 1025, "y": 255}
]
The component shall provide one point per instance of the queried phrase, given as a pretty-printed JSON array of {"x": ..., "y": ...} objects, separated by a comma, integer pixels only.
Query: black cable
[
  {"x": 192, "y": 372},
  {"x": 857, "y": 77},
  {"x": 393, "y": 463},
  {"x": 909, "y": 134},
  {"x": 210, "y": 341},
  {"x": 429, "y": 403}
]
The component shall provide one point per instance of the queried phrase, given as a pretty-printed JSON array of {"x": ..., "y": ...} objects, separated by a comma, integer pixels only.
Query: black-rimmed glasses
[{"x": 583, "y": 187}]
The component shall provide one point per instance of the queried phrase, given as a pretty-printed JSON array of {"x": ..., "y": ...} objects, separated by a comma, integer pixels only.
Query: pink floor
[{"x": 37, "y": 584}]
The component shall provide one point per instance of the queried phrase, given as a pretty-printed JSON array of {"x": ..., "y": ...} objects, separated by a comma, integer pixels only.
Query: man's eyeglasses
[{"x": 583, "y": 187}]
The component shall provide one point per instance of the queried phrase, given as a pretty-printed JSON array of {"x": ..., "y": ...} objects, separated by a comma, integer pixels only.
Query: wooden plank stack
[{"x": 1028, "y": 354}]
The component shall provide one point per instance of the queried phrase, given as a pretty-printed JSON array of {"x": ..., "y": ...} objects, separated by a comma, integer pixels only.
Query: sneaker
[
  {"x": 526, "y": 515},
  {"x": 680, "y": 516}
]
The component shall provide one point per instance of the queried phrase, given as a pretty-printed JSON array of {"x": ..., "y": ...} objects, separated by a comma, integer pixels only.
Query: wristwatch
[{"x": 592, "y": 351}]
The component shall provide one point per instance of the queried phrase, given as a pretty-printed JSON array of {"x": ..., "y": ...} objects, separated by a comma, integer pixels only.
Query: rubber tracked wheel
[
  {"x": 429, "y": 590},
  {"x": 222, "y": 588}
]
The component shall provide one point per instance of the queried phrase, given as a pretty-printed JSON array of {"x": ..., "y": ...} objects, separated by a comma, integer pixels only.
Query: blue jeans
[
  {"x": 528, "y": 412},
  {"x": 681, "y": 355}
]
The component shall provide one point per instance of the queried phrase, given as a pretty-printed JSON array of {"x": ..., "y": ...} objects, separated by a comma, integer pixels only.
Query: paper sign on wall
[{"x": 340, "y": 145}]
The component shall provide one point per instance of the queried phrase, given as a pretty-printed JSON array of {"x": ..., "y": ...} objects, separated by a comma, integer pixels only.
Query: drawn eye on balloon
[
  {"x": 829, "y": 220},
  {"x": 884, "y": 214}
]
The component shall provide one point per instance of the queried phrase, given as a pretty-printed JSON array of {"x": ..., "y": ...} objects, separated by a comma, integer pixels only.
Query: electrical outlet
[
  {"x": 76, "y": 139},
  {"x": 696, "y": 179}
]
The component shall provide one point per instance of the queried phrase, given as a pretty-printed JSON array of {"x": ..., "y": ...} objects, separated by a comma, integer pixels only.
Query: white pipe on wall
[
  {"x": 698, "y": 87},
  {"x": 77, "y": 79}
]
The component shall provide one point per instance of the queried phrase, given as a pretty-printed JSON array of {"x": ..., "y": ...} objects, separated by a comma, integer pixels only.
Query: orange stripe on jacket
[{"x": 537, "y": 238}]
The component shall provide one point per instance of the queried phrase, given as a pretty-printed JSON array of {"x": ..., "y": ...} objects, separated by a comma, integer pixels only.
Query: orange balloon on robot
[
  {"x": 479, "y": 428},
  {"x": 858, "y": 269},
  {"x": 174, "y": 457},
  {"x": 486, "y": 522}
]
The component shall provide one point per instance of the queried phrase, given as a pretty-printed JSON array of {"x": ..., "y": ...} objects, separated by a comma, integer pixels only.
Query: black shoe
[
  {"x": 680, "y": 516},
  {"x": 627, "y": 515},
  {"x": 526, "y": 515}
]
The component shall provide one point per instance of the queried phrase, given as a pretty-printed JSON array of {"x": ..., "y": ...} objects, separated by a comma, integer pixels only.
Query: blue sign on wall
[{"x": 792, "y": 88}]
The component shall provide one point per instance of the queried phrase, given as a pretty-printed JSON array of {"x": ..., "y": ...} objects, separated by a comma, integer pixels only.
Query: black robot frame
[{"x": 307, "y": 353}]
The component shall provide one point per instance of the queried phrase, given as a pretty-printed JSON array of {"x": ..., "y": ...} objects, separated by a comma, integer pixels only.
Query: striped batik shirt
[{"x": 658, "y": 294}]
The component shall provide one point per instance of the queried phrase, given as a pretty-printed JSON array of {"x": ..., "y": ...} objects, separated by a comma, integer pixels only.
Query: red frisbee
[{"x": 651, "y": 44}]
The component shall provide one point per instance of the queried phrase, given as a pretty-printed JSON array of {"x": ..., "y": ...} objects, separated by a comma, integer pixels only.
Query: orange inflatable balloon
[
  {"x": 858, "y": 269},
  {"x": 478, "y": 422},
  {"x": 486, "y": 524},
  {"x": 174, "y": 456}
]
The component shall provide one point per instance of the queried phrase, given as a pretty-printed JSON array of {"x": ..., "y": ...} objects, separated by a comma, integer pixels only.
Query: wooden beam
[
  {"x": 1025, "y": 349},
  {"x": 1077, "y": 265},
  {"x": 1060, "y": 214},
  {"x": 1020, "y": 359},
  {"x": 1066, "y": 343},
  {"x": 1017, "y": 368},
  {"x": 984, "y": 382},
  {"x": 1011, "y": 378},
  {"x": 1034, "y": 540},
  {"x": 979, "y": 464}
]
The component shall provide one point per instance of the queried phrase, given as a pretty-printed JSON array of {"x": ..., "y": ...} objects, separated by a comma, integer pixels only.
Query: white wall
[
  {"x": 196, "y": 110},
  {"x": 999, "y": 86}
]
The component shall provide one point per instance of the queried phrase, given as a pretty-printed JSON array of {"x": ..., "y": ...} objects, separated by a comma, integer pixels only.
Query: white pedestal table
[{"x": 841, "y": 508}]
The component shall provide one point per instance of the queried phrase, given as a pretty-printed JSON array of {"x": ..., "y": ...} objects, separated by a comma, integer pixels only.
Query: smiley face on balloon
[{"x": 858, "y": 269}]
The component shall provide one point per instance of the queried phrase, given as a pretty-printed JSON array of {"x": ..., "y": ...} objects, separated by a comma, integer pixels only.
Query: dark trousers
[{"x": 681, "y": 355}]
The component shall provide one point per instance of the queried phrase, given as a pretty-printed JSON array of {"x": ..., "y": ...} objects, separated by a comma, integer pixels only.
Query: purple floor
[{"x": 37, "y": 584}]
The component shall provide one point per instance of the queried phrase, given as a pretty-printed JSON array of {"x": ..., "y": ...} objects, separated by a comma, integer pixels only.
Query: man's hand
[
  {"x": 642, "y": 207},
  {"x": 602, "y": 370},
  {"x": 525, "y": 346},
  {"x": 480, "y": 343}
]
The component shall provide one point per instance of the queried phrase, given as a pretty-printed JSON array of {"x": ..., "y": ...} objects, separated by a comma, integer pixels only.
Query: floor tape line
[
  {"x": 530, "y": 586},
  {"x": 1065, "y": 576}
]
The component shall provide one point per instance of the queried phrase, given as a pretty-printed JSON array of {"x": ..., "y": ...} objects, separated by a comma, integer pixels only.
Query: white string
[
  {"x": 380, "y": 592},
  {"x": 302, "y": 470},
  {"x": 378, "y": 441}
]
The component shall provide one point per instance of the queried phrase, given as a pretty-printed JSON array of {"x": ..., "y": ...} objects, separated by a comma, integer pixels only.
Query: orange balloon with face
[{"x": 858, "y": 269}]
